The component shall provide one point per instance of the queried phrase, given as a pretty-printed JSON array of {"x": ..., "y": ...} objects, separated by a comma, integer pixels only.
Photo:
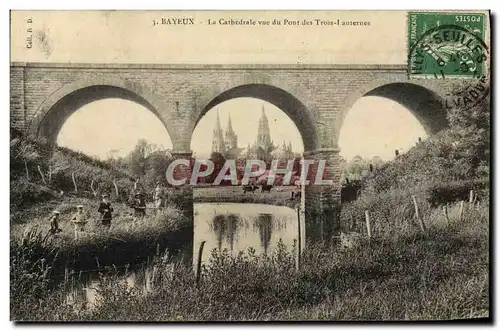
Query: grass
[
  {"x": 442, "y": 274},
  {"x": 128, "y": 241},
  {"x": 278, "y": 196}
]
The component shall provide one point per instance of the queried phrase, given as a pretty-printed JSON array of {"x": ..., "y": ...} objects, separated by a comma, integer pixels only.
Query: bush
[
  {"x": 440, "y": 193},
  {"x": 30, "y": 273},
  {"x": 452, "y": 155}
]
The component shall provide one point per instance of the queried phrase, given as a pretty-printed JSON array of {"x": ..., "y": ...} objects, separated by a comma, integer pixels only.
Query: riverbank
[
  {"x": 128, "y": 241},
  {"x": 442, "y": 274},
  {"x": 278, "y": 196}
]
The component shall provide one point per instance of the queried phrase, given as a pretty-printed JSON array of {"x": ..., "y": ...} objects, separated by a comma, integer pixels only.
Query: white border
[{"x": 200, "y": 4}]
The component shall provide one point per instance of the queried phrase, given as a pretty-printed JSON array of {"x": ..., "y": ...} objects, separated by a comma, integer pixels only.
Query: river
[{"x": 233, "y": 227}]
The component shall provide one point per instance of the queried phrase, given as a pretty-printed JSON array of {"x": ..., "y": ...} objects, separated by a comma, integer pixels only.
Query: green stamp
[{"x": 446, "y": 45}]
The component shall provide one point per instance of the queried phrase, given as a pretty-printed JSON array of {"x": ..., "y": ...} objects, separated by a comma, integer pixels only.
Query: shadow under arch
[
  {"x": 286, "y": 102},
  {"x": 423, "y": 103},
  {"x": 59, "y": 106}
]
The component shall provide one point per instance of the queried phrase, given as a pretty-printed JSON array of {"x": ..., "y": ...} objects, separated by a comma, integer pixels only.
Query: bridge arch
[
  {"x": 60, "y": 105},
  {"x": 422, "y": 101},
  {"x": 300, "y": 115}
]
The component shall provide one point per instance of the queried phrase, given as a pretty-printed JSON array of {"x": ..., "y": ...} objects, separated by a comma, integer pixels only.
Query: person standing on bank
[
  {"x": 79, "y": 220},
  {"x": 105, "y": 210},
  {"x": 139, "y": 206},
  {"x": 159, "y": 196},
  {"x": 54, "y": 223}
]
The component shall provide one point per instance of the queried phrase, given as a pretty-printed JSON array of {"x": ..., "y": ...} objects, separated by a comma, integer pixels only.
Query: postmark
[
  {"x": 456, "y": 53},
  {"x": 446, "y": 45}
]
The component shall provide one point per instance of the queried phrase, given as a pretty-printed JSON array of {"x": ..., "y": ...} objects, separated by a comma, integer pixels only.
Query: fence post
[
  {"x": 461, "y": 212},
  {"x": 41, "y": 174},
  {"x": 472, "y": 199},
  {"x": 299, "y": 244},
  {"x": 445, "y": 211},
  {"x": 94, "y": 192},
  {"x": 417, "y": 215},
  {"x": 198, "y": 266},
  {"x": 368, "y": 224},
  {"x": 27, "y": 172},
  {"x": 116, "y": 188},
  {"x": 74, "y": 181}
]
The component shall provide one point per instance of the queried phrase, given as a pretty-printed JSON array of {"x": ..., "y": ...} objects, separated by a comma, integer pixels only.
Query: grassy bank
[
  {"x": 277, "y": 196},
  {"x": 440, "y": 274},
  {"x": 128, "y": 241}
]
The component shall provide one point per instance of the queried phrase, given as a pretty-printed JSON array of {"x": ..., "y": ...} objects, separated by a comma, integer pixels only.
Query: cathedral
[{"x": 226, "y": 143}]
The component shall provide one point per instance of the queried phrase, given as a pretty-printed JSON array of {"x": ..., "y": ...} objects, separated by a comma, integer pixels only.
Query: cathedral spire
[
  {"x": 229, "y": 125},
  {"x": 217, "y": 123},
  {"x": 218, "y": 144},
  {"x": 231, "y": 137},
  {"x": 264, "y": 134}
]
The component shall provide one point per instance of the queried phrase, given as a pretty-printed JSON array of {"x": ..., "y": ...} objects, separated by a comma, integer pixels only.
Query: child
[
  {"x": 139, "y": 206},
  {"x": 79, "y": 220},
  {"x": 105, "y": 209},
  {"x": 54, "y": 223}
]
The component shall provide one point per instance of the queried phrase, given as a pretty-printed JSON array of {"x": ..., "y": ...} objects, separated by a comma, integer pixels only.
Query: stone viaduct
[{"x": 315, "y": 97}]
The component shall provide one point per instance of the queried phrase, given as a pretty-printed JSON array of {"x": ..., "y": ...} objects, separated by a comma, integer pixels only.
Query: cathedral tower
[
  {"x": 231, "y": 137},
  {"x": 218, "y": 145},
  {"x": 264, "y": 135}
]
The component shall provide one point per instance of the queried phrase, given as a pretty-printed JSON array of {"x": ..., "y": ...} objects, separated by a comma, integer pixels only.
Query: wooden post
[
  {"x": 116, "y": 188},
  {"x": 299, "y": 238},
  {"x": 371, "y": 167},
  {"x": 461, "y": 212},
  {"x": 472, "y": 198},
  {"x": 368, "y": 224},
  {"x": 41, "y": 174},
  {"x": 74, "y": 181},
  {"x": 198, "y": 266},
  {"x": 50, "y": 174},
  {"x": 27, "y": 172},
  {"x": 417, "y": 215},
  {"x": 94, "y": 192},
  {"x": 445, "y": 211}
]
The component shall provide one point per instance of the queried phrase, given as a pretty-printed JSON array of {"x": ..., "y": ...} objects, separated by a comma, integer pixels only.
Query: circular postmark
[{"x": 455, "y": 53}]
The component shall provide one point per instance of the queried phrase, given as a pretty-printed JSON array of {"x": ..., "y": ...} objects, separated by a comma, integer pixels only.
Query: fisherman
[
  {"x": 79, "y": 220},
  {"x": 105, "y": 210},
  {"x": 54, "y": 223},
  {"x": 139, "y": 206}
]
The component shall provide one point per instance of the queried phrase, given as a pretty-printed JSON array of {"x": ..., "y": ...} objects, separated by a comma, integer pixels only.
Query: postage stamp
[{"x": 446, "y": 45}]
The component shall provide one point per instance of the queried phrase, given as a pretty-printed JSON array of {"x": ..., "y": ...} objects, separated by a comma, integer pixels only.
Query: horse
[
  {"x": 266, "y": 188},
  {"x": 249, "y": 188}
]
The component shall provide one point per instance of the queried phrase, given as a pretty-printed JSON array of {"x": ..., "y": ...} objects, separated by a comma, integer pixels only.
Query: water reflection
[
  {"x": 225, "y": 227},
  {"x": 85, "y": 292},
  {"x": 264, "y": 222},
  {"x": 236, "y": 227}
]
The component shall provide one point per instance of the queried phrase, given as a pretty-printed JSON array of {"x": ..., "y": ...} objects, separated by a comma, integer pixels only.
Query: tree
[{"x": 137, "y": 158}]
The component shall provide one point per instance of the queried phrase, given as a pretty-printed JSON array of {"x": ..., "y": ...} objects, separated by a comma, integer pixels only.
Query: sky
[
  {"x": 373, "y": 127},
  {"x": 111, "y": 124},
  {"x": 377, "y": 126}
]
